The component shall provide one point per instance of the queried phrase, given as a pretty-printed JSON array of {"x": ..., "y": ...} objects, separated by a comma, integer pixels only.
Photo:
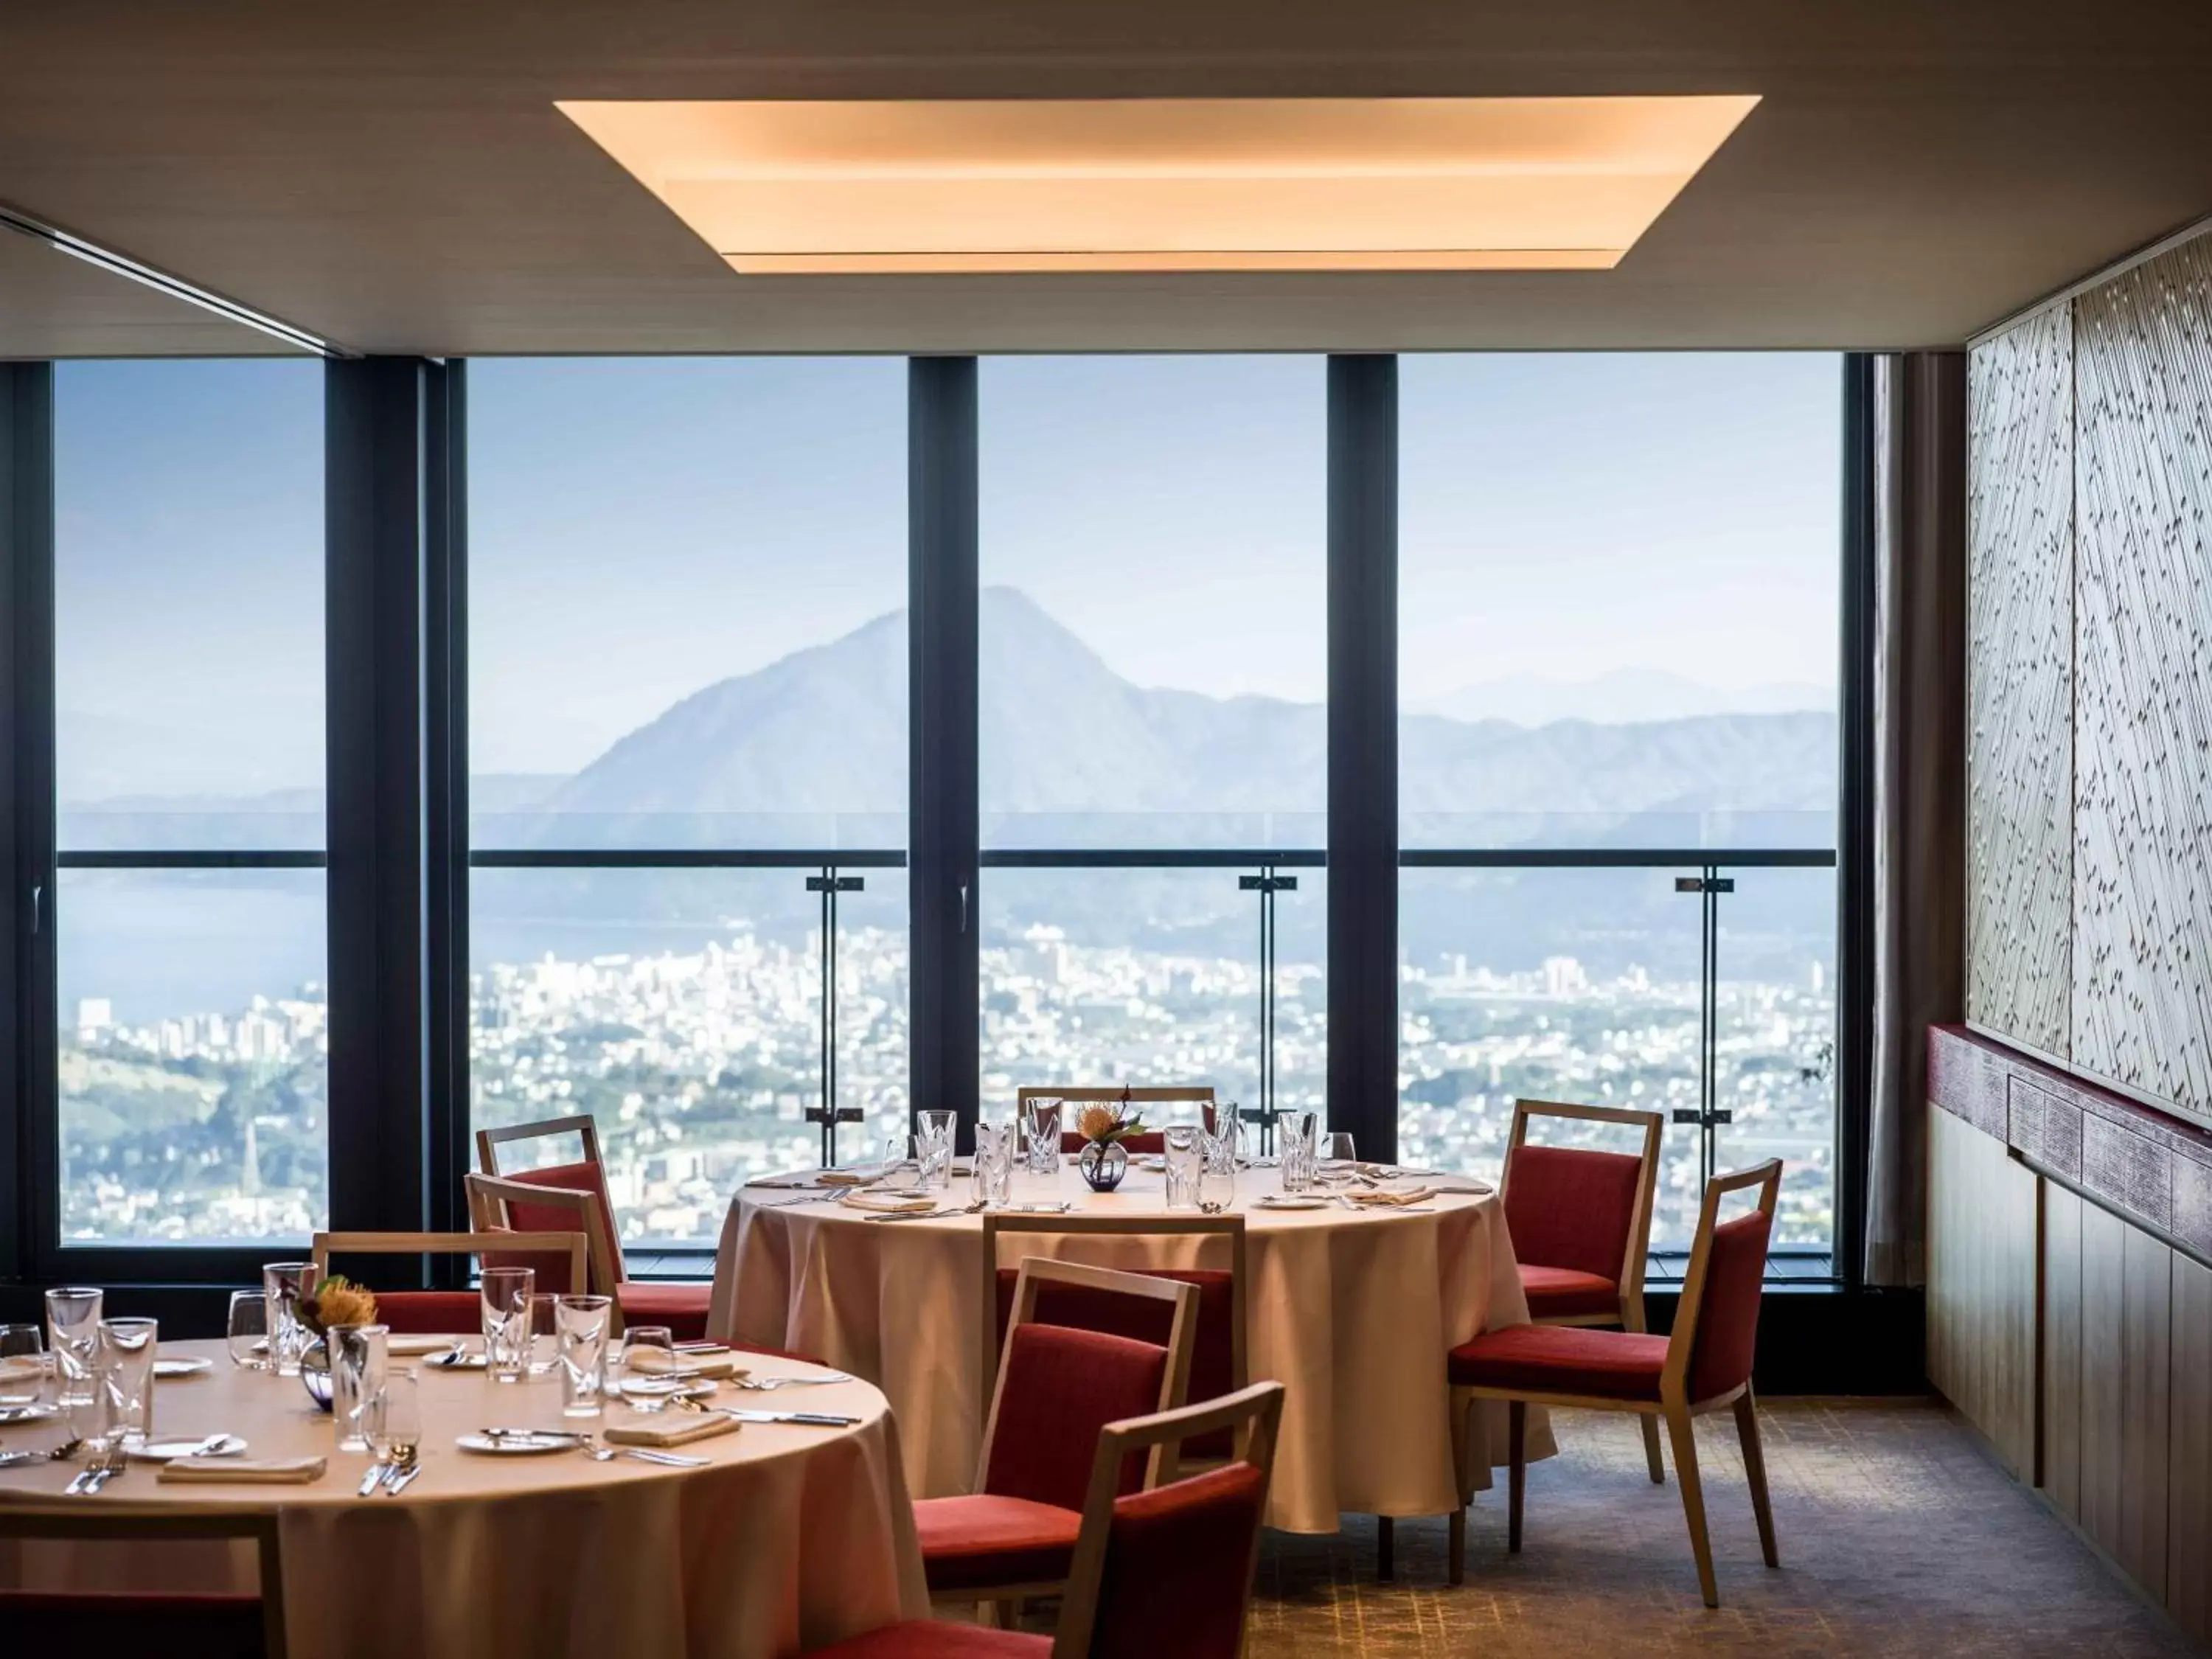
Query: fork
[
  {"x": 762, "y": 1384},
  {"x": 106, "y": 1463}
]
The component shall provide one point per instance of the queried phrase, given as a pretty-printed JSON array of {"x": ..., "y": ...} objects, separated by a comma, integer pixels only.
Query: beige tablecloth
[
  {"x": 791, "y": 1539},
  {"x": 1353, "y": 1311}
]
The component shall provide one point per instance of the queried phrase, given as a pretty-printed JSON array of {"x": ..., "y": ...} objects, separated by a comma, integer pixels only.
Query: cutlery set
[{"x": 392, "y": 1475}]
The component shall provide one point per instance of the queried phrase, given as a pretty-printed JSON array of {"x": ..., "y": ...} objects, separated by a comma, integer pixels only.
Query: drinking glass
[
  {"x": 22, "y": 1365},
  {"x": 248, "y": 1330},
  {"x": 544, "y": 1342},
  {"x": 933, "y": 1149},
  {"x": 357, "y": 1375},
  {"x": 395, "y": 1418},
  {"x": 1185, "y": 1160},
  {"x": 1299, "y": 1131},
  {"x": 660, "y": 1342},
  {"x": 1217, "y": 1174},
  {"x": 1041, "y": 1120},
  {"x": 506, "y": 1293},
  {"x": 1338, "y": 1161},
  {"x": 287, "y": 1284},
  {"x": 894, "y": 1148},
  {"x": 581, "y": 1324},
  {"x": 995, "y": 1163},
  {"x": 73, "y": 1332},
  {"x": 123, "y": 1380}
]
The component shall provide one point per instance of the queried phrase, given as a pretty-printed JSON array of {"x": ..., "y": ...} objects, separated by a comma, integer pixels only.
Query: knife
[
  {"x": 397, "y": 1484},
  {"x": 809, "y": 1420},
  {"x": 374, "y": 1479}
]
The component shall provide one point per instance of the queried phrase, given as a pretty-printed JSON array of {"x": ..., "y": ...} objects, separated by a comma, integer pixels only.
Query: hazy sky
[{"x": 640, "y": 529}]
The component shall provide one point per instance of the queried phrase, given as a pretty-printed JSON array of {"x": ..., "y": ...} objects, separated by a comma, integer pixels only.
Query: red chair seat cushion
[
  {"x": 975, "y": 1543},
  {"x": 931, "y": 1638},
  {"x": 1563, "y": 1360},
  {"x": 1564, "y": 1293},
  {"x": 681, "y": 1305},
  {"x": 430, "y": 1313}
]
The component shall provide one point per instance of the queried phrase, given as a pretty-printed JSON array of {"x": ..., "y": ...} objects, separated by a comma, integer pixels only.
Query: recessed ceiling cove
[{"x": 1147, "y": 183}]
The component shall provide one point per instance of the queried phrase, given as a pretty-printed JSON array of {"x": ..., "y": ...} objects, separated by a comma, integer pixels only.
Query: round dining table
[
  {"x": 1353, "y": 1309},
  {"x": 784, "y": 1538}
]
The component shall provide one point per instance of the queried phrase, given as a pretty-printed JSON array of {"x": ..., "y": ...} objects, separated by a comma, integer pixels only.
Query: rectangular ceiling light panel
[{"x": 1270, "y": 183}]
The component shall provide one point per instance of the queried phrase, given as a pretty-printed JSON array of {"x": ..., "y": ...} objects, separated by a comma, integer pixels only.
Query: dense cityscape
[{"x": 698, "y": 1067}]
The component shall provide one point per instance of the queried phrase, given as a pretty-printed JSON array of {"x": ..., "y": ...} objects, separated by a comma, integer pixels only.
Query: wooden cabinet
[
  {"x": 2188, "y": 1497},
  {"x": 2125, "y": 1360},
  {"x": 2061, "y": 1458},
  {"x": 1983, "y": 1246}
]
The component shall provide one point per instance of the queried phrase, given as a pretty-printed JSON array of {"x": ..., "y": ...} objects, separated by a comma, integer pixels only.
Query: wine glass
[
  {"x": 247, "y": 1330},
  {"x": 394, "y": 1418},
  {"x": 22, "y": 1365},
  {"x": 1339, "y": 1161},
  {"x": 649, "y": 1386}
]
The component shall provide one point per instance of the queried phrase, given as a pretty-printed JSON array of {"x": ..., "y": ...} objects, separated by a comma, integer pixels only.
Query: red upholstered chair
[
  {"x": 1217, "y": 1361},
  {"x": 1580, "y": 1224},
  {"x": 680, "y": 1305},
  {"x": 1704, "y": 1366},
  {"x": 199, "y": 1625},
  {"x": 1078, "y": 1096},
  {"x": 1057, "y": 1388},
  {"x": 1159, "y": 1574},
  {"x": 559, "y": 1258}
]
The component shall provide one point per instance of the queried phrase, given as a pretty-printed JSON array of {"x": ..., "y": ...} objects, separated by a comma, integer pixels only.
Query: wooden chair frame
[
  {"x": 1255, "y": 1414},
  {"x": 489, "y": 1197},
  {"x": 103, "y": 1525},
  {"x": 1174, "y": 1381},
  {"x": 1638, "y": 1248},
  {"x": 1673, "y": 1406},
  {"x": 489, "y": 1141},
  {"x": 996, "y": 1226},
  {"x": 575, "y": 1245}
]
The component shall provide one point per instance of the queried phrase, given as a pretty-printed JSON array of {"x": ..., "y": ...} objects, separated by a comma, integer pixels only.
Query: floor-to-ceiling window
[
  {"x": 1152, "y": 689},
  {"x": 687, "y": 653},
  {"x": 1618, "y": 651},
  {"x": 188, "y": 922}
]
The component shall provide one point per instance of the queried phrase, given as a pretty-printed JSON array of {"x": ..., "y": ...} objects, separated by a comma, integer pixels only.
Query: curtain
[{"x": 1919, "y": 679}]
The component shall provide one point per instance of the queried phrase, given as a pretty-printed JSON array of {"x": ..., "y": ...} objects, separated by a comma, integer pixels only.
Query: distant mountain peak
[{"x": 1620, "y": 696}]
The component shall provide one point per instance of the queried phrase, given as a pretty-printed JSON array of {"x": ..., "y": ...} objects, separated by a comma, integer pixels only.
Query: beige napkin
[
  {"x": 1389, "y": 1200},
  {"x": 672, "y": 1430},
  {"x": 889, "y": 1203},
  {"x": 267, "y": 1471},
  {"x": 860, "y": 1178},
  {"x": 655, "y": 1362},
  {"x": 412, "y": 1347},
  {"x": 18, "y": 1367}
]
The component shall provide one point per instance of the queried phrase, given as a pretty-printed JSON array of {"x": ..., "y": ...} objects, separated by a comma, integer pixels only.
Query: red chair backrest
[
  {"x": 436, "y": 1313},
  {"x": 1151, "y": 1141},
  {"x": 1178, "y": 1561},
  {"x": 1571, "y": 1207},
  {"x": 525, "y": 1218},
  {"x": 1060, "y": 1387},
  {"x": 1728, "y": 1317},
  {"x": 1213, "y": 1349}
]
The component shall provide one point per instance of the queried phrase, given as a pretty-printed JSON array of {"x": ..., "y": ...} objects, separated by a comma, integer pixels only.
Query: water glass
[
  {"x": 1298, "y": 1132},
  {"x": 580, "y": 1328},
  {"x": 123, "y": 1381},
  {"x": 395, "y": 1418},
  {"x": 1185, "y": 1160},
  {"x": 658, "y": 1341},
  {"x": 1337, "y": 1160},
  {"x": 287, "y": 1284},
  {"x": 247, "y": 1331},
  {"x": 22, "y": 1365},
  {"x": 895, "y": 1153},
  {"x": 933, "y": 1149},
  {"x": 544, "y": 1345},
  {"x": 73, "y": 1331},
  {"x": 357, "y": 1376},
  {"x": 1218, "y": 1159},
  {"x": 995, "y": 1163},
  {"x": 506, "y": 1294},
  {"x": 1041, "y": 1124}
]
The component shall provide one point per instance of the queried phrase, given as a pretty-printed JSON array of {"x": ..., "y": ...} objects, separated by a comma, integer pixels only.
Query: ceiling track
[{"x": 162, "y": 282}]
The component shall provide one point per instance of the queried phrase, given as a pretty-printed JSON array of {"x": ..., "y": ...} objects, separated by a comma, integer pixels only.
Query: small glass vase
[
  {"x": 315, "y": 1372},
  {"x": 1104, "y": 1162}
]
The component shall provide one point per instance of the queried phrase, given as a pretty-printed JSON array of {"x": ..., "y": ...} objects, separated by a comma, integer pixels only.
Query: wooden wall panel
[
  {"x": 2142, "y": 1004},
  {"x": 2104, "y": 1300},
  {"x": 2020, "y": 529},
  {"x": 1981, "y": 1248},
  {"x": 2188, "y": 1526},
  {"x": 2060, "y": 1463},
  {"x": 2146, "y": 1384}
]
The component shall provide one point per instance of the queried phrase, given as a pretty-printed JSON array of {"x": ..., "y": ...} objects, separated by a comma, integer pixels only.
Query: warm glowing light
[{"x": 1149, "y": 184}]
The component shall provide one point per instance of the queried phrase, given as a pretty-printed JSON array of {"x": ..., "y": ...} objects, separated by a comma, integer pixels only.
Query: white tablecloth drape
[
  {"x": 792, "y": 1538},
  {"x": 1354, "y": 1312}
]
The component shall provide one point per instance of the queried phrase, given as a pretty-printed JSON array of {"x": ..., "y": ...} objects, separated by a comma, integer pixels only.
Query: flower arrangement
[
  {"x": 337, "y": 1301},
  {"x": 1102, "y": 1124}
]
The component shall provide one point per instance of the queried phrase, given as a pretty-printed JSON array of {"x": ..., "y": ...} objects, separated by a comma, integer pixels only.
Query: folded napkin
[
  {"x": 672, "y": 1430},
  {"x": 889, "y": 1203},
  {"x": 412, "y": 1347},
  {"x": 19, "y": 1367},
  {"x": 1376, "y": 1197},
  {"x": 790, "y": 1183},
  {"x": 266, "y": 1470},
  {"x": 866, "y": 1175},
  {"x": 655, "y": 1362}
]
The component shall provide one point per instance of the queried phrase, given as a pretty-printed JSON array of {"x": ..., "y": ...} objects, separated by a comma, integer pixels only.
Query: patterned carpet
[{"x": 1899, "y": 1536}]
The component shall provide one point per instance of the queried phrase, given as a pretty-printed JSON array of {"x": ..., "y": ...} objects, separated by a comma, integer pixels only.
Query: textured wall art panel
[
  {"x": 2020, "y": 527},
  {"x": 2142, "y": 734}
]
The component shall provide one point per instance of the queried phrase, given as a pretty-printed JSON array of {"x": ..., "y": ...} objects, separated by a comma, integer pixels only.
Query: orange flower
[{"x": 1098, "y": 1122}]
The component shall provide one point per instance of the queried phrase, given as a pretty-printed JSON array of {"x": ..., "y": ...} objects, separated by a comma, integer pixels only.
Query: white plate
[
  {"x": 160, "y": 1451},
  {"x": 185, "y": 1366},
  {"x": 516, "y": 1445},
  {"x": 1294, "y": 1201},
  {"x": 659, "y": 1387},
  {"x": 25, "y": 1414}
]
